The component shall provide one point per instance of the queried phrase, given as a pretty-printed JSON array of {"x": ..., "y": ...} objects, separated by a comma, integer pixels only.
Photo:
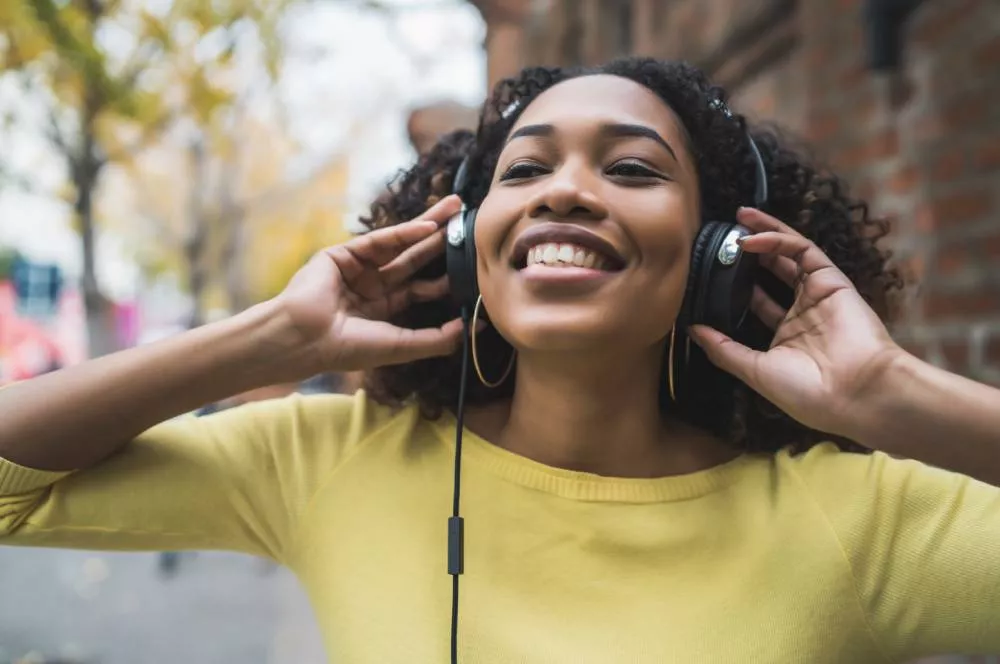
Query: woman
[{"x": 605, "y": 521}]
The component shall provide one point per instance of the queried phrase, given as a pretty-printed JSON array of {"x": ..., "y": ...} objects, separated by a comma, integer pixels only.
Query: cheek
[
  {"x": 664, "y": 237},
  {"x": 489, "y": 228}
]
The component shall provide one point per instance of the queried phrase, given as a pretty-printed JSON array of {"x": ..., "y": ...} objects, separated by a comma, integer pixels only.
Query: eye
[
  {"x": 633, "y": 169},
  {"x": 522, "y": 170}
]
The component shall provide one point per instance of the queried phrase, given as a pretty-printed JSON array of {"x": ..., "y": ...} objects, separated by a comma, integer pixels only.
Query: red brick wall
[{"x": 921, "y": 144}]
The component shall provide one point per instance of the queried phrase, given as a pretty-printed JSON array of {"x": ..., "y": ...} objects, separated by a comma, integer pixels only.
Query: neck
[{"x": 601, "y": 417}]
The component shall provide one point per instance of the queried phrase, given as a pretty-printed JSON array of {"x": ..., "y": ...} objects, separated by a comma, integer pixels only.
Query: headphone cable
[{"x": 456, "y": 530}]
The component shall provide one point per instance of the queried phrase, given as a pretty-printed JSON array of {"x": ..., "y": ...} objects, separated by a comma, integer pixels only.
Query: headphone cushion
[
  {"x": 708, "y": 237},
  {"x": 461, "y": 264}
]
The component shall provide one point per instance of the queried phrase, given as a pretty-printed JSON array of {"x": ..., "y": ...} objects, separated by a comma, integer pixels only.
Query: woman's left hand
[{"x": 829, "y": 348}]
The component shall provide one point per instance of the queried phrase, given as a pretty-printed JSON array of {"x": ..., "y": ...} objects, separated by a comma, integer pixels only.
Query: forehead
[{"x": 602, "y": 98}]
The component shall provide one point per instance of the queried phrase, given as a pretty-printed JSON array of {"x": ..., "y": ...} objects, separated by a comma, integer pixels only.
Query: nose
[{"x": 568, "y": 192}]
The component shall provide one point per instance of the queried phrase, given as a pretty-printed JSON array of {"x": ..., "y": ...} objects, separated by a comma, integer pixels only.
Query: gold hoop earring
[
  {"x": 670, "y": 365},
  {"x": 475, "y": 354}
]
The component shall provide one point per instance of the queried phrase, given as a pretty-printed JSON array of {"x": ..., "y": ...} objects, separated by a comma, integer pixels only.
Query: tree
[
  {"x": 113, "y": 75},
  {"x": 216, "y": 206}
]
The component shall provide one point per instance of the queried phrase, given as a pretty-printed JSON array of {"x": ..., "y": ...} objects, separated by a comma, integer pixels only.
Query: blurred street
[{"x": 79, "y": 607}]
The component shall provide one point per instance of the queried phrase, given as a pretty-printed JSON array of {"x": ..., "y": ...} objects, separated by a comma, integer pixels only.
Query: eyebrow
[{"x": 619, "y": 130}]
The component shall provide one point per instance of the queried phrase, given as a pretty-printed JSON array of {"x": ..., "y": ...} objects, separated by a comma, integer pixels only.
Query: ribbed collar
[{"x": 577, "y": 485}]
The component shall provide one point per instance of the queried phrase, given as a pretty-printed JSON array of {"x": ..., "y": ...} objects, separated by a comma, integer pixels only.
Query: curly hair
[{"x": 812, "y": 200}]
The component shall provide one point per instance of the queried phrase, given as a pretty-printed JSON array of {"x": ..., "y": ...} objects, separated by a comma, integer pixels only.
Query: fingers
[
  {"x": 380, "y": 246},
  {"x": 799, "y": 249},
  {"x": 784, "y": 268},
  {"x": 766, "y": 309},
  {"x": 443, "y": 210},
  {"x": 407, "y": 263},
  {"x": 760, "y": 222},
  {"x": 417, "y": 291},
  {"x": 410, "y": 345},
  {"x": 730, "y": 356}
]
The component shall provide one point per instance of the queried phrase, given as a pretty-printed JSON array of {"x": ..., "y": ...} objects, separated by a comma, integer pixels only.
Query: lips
[{"x": 565, "y": 235}]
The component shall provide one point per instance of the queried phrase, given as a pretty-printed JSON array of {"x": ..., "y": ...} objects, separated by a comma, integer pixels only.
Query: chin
[{"x": 550, "y": 328}]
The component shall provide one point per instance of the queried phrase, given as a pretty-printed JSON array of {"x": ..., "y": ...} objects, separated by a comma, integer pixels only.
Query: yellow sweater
[{"x": 824, "y": 557}]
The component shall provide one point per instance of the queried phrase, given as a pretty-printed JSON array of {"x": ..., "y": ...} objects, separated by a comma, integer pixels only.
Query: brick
[
  {"x": 884, "y": 144},
  {"x": 961, "y": 207},
  {"x": 991, "y": 248},
  {"x": 956, "y": 354},
  {"x": 987, "y": 56},
  {"x": 949, "y": 166},
  {"x": 865, "y": 110},
  {"x": 923, "y": 219},
  {"x": 952, "y": 259},
  {"x": 912, "y": 268},
  {"x": 962, "y": 306},
  {"x": 904, "y": 180},
  {"x": 928, "y": 127},
  {"x": 966, "y": 111},
  {"x": 824, "y": 126},
  {"x": 991, "y": 350},
  {"x": 915, "y": 348},
  {"x": 937, "y": 28},
  {"x": 817, "y": 57},
  {"x": 988, "y": 154},
  {"x": 852, "y": 75}
]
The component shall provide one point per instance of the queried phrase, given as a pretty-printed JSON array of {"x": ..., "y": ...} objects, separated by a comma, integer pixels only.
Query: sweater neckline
[{"x": 585, "y": 486}]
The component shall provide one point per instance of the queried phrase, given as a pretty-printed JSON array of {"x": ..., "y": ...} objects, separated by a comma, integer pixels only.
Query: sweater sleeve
[
  {"x": 236, "y": 480},
  {"x": 923, "y": 545}
]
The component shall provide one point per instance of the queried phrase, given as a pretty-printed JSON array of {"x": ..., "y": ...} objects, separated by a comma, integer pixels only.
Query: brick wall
[{"x": 921, "y": 143}]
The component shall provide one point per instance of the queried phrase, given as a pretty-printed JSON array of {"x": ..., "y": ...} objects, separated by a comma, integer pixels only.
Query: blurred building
[{"x": 901, "y": 97}]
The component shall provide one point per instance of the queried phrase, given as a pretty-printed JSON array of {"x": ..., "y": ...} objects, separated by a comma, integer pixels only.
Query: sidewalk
[{"x": 113, "y": 608}]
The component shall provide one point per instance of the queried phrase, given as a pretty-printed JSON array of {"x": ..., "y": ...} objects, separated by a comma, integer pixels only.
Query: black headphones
[{"x": 719, "y": 287}]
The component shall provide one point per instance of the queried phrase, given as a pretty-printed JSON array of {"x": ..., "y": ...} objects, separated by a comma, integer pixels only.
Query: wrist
[
  {"x": 274, "y": 350},
  {"x": 882, "y": 403}
]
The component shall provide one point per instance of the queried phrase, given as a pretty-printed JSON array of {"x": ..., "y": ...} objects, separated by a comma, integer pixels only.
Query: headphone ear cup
[
  {"x": 718, "y": 292},
  {"x": 471, "y": 259},
  {"x": 460, "y": 259},
  {"x": 688, "y": 314},
  {"x": 701, "y": 259}
]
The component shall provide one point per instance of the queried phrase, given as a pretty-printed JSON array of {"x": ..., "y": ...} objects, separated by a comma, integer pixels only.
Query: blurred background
[{"x": 165, "y": 163}]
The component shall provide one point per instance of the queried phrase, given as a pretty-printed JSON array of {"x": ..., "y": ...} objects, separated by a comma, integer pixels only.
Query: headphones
[{"x": 719, "y": 287}]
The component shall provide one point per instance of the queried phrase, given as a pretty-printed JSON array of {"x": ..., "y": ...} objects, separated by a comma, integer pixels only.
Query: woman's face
[{"x": 585, "y": 235}]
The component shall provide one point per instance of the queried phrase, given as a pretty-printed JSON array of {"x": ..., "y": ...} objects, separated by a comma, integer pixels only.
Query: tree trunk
[
  {"x": 197, "y": 237},
  {"x": 236, "y": 279},
  {"x": 101, "y": 337}
]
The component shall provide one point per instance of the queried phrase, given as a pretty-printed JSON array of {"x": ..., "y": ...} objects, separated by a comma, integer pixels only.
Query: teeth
[{"x": 557, "y": 254}]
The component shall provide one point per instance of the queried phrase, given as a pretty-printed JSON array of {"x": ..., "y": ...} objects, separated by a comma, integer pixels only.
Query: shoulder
[
  {"x": 876, "y": 492},
  {"x": 321, "y": 429},
  {"x": 346, "y": 420}
]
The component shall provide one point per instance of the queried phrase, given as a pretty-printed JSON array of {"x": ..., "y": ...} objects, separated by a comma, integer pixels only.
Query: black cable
[{"x": 456, "y": 531}]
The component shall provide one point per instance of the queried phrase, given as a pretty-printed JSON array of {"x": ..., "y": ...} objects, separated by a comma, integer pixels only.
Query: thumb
[{"x": 723, "y": 352}]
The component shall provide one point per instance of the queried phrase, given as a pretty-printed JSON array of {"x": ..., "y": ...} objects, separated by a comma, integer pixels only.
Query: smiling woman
[
  {"x": 639, "y": 486},
  {"x": 637, "y": 155}
]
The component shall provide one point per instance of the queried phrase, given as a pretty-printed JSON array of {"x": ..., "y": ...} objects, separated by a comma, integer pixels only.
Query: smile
[
  {"x": 562, "y": 246},
  {"x": 553, "y": 254}
]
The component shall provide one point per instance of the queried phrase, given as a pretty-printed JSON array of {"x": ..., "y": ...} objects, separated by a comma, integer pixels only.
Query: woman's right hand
[{"x": 340, "y": 301}]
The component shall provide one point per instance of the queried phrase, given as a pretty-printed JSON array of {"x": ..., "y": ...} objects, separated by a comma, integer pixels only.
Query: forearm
[
  {"x": 940, "y": 418},
  {"x": 73, "y": 418}
]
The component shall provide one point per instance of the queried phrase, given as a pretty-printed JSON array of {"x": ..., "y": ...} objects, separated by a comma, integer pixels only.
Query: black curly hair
[{"x": 811, "y": 200}]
